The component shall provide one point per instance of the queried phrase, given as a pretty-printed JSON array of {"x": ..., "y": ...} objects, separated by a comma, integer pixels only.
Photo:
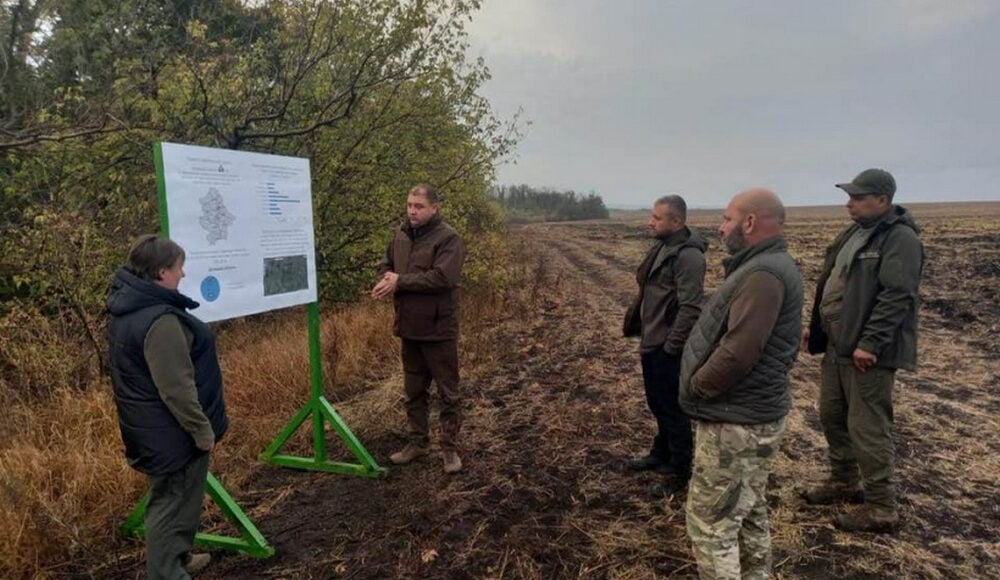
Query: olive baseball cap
[{"x": 877, "y": 181}]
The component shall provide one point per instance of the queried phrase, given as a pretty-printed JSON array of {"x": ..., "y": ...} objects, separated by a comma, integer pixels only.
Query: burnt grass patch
[
  {"x": 558, "y": 409},
  {"x": 954, "y": 314}
]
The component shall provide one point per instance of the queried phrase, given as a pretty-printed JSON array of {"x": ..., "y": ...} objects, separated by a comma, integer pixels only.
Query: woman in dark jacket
[{"x": 168, "y": 390}]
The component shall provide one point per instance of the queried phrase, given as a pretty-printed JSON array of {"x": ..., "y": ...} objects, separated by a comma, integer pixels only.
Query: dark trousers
[
  {"x": 856, "y": 411},
  {"x": 672, "y": 444},
  {"x": 424, "y": 361},
  {"x": 172, "y": 517}
]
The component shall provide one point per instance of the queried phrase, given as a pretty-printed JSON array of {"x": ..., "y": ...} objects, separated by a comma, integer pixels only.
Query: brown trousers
[{"x": 424, "y": 361}]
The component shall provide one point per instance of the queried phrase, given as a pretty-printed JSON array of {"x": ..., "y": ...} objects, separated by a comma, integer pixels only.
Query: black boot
[
  {"x": 672, "y": 487},
  {"x": 648, "y": 463}
]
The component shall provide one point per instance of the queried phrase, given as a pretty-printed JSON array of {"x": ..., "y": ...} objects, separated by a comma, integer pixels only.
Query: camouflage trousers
[{"x": 726, "y": 508}]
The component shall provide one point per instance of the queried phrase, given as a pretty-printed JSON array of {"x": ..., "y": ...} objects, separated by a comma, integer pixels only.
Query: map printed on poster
[{"x": 245, "y": 223}]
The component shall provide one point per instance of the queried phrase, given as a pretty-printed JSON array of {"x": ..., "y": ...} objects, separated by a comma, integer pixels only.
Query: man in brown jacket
[
  {"x": 421, "y": 271},
  {"x": 671, "y": 280}
]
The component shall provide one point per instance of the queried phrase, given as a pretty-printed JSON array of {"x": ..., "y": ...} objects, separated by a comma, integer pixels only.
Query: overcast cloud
[{"x": 635, "y": 99}]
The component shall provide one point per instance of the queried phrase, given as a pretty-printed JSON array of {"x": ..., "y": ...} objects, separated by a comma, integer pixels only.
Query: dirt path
[{"x": 558, "y": 408}]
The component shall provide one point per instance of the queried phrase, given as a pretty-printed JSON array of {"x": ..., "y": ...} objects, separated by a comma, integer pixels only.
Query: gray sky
[{"x": 637, "y": 98}]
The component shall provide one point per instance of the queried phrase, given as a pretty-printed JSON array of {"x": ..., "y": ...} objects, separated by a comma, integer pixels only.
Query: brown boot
[
  {"x": 409, "y": 453},
  {"x": 833, "y": 492},
  {"x": 197, "y": 562},
  {"x": 452, "y": 462},
  {"x": 868, "y": 518}
]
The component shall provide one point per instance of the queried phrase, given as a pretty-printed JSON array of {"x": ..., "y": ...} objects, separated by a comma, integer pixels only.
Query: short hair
[
  {"x": 151, "y": 253},
  {"x": 428, "y": 191},
  {"x": 676, "y": 204}
]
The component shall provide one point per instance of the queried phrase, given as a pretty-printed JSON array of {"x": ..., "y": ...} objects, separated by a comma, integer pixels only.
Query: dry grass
[
  {"x": 948, "y": 451},
  {"x": 66, "y": 486},
  {"x": 65, "y": 483},
  {"x": 555, "y": 403}
]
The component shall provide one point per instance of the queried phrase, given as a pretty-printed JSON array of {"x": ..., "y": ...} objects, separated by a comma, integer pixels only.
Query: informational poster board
[{"x": 246, "y": 225}]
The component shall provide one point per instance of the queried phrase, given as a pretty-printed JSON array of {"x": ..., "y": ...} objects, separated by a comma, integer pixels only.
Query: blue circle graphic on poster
[{"x": 210, "y": 288}]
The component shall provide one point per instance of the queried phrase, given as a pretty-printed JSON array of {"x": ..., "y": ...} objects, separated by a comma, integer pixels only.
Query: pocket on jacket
[
  {"x": 666, "y": 278},
  {"x": 422, "y": 259},
  {"x": 417, "y": 315}
]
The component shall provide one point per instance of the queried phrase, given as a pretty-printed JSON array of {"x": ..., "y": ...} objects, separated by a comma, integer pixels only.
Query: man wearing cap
[{"x": 864, "y": 321}]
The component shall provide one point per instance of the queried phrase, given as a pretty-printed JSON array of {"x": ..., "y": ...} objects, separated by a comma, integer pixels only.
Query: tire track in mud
[
  {"x": 550, "y": 420},
  {"x": 548, "y": 427},
  {"x": 580, "y": 363},
  {"x": 601, "y": 275}
]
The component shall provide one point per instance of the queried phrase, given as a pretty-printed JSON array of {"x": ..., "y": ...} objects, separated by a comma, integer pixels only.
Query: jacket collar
[
  {"x": 675, "y": 238},
  {"x": 774, "y": 244},
  {"x": 129, "y": 293},
  {"x": 896, "y": 215},
  {"x": 668, "y": 245},
  {"x": 430, "y": 226}
]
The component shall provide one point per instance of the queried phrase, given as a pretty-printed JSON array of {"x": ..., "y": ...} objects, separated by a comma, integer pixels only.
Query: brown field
[{"x": 555, "y": 404}]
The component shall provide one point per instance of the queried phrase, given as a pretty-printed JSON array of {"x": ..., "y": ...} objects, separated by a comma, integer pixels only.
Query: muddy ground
[{"x": 558, "y": 406}]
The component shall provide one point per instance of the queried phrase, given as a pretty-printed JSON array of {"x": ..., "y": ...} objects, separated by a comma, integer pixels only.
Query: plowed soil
[{"x": 558, "y": 405}]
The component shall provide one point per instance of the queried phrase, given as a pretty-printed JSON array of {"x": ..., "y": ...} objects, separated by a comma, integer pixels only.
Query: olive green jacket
[
  {"x": 880, "y": 294},
  {"x": 671, "y": 287}
]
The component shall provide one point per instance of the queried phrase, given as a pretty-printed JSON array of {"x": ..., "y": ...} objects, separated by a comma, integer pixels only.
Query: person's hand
[
  {"x": 386, "y": 286},
  {"x": 208, "y": 449},
  {"x": 804, "y": 346},
  {"x": 863, "y": 359}
]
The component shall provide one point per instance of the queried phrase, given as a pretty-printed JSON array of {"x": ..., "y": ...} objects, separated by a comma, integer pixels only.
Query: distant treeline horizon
[{"x": 526, "y": 203}]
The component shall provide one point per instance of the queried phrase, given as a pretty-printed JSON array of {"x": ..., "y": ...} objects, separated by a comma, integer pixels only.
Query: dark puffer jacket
[
  {"x": 155, "y": 443},
  {"x": 762, "y": 395}
]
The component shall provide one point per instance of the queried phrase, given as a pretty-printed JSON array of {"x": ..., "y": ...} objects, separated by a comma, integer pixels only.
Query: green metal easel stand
[
  {"x": 321, "y": 410},
  {"x": 251, "y": 542}
]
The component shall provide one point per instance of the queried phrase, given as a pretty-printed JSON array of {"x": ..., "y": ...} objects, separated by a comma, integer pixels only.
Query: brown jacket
[{"x": 429, "y": 263}]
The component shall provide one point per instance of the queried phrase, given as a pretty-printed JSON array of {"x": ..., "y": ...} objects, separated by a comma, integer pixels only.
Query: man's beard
[
  {"x": 661, "y": 235},
  {"x": 735, "y": 241}
]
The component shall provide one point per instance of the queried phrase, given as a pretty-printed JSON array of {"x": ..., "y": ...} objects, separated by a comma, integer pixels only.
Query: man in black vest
[
  {"x": 671, "y": 280},
  {"x": 864, "y": 321},
  {"x": 421, "y": 271},
  {"x": 168, "y": 391},
  {"x": 735, "y": 386}
]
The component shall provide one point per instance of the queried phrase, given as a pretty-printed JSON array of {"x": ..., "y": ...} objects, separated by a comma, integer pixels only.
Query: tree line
[
  {"x": 378, "y": 94},
  {"x": 525, "y": 203}
]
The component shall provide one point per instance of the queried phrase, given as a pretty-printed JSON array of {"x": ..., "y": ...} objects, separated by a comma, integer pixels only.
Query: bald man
[{"x": 735, "y": 387}]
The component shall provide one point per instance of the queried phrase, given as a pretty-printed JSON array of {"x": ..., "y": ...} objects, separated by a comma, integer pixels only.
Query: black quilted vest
[{"x": 155, "y": 443}]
